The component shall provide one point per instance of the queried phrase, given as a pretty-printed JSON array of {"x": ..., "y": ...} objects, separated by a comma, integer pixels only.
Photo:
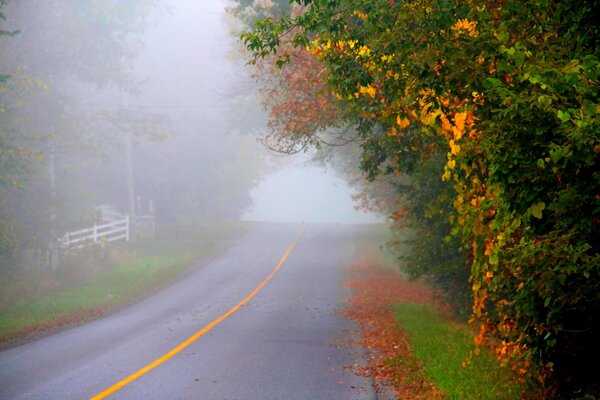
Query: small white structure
[
  {"x": 117, "y": 229},
  {"x": 110, "y": 226}
]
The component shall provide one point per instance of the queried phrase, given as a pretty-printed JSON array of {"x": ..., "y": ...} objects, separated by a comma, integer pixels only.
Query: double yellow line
[{"x": 200, "y": 333}]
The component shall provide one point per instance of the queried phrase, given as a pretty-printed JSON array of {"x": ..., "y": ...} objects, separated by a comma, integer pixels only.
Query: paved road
[{"x": 280, "y": 345}]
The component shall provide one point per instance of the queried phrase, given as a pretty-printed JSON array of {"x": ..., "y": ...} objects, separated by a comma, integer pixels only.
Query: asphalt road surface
[{"x": 282, "y": 343}]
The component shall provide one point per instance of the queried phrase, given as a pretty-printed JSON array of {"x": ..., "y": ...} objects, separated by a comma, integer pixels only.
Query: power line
[{"x": 160, "y": 106}]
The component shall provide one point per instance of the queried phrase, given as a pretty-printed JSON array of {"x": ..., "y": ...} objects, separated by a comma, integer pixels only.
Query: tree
[
  {"x": 62, "y": 49},
  {"x": 503, "y": 98}
]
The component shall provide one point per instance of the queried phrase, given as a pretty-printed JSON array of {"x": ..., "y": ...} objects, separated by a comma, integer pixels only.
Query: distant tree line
[{"x": 62, "y": 153}]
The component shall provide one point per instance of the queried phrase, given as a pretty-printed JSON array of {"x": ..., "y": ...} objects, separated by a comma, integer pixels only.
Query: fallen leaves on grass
[
  {"x": 53, "y": 325},
  {"x": 375, "y": 288}
]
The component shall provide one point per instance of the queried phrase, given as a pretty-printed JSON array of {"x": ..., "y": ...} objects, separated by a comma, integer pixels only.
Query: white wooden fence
[{"x": 119, "y": 229}]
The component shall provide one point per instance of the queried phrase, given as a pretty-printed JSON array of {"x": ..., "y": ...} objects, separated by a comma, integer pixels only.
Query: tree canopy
[{"x": 491, "y": 108}]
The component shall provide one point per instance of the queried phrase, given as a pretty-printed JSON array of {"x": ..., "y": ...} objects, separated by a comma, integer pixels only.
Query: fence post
[
  {"x": 127, "y": 226},
  {"x": 95, "y": 233}
]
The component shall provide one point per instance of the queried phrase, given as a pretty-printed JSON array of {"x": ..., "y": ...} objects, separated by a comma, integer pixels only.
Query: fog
[
  {"x": 304, "y": 192},
  {"x": 188, "y": 61},
  {"x": 131, "y": 157},
  {"x": 146, "y": 108},
  {"x": 196, "y": 81}
]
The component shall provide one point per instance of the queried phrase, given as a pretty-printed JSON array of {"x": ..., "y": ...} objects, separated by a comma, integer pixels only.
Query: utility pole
[
  {"x": 130, "y": 189},
  {"x": 53, "y": 205}
]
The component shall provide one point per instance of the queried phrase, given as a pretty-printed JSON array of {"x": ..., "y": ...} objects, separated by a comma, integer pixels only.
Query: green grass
[
  {"x": 104, "y": 280},
  {"x": 442, "y": 346}
]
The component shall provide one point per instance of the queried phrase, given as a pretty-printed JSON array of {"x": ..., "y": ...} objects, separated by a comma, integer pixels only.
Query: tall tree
[
  {"x": 61, "y": 47},
  {"x": 500, "y": 99}
]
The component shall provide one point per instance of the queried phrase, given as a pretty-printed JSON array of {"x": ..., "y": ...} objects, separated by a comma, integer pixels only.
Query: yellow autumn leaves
[
  {"x": 368, "y": 90},
  {"x": 403, "y": 123},
  {"x": 454, "y": 148},
  {"x": 451, "y": 119},
  {"x": 464, "y": 26}
]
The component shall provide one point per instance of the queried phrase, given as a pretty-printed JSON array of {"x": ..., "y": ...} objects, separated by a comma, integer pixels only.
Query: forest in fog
[{"x": 99, "y": 99}]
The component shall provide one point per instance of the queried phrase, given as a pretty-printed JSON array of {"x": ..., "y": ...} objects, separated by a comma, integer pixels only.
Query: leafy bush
[{"x": 507, "y": 93}]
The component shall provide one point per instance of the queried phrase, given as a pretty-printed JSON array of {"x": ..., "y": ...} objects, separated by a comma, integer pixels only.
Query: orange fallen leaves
[
  {"x": 375, "y": 288},
  {"x": 46, "y": 327}
]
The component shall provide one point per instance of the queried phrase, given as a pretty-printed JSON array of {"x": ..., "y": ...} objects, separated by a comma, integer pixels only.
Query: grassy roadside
[
  {"x": 415, "y": 348},
  {"x": 442, "y": 346},
  {"x": 97, "y": 281}
]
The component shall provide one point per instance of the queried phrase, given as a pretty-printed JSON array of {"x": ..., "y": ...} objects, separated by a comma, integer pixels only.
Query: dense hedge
[{"x": 505, "y": 94}]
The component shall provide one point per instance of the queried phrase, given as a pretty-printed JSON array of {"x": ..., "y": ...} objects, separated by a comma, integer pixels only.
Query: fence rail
[{"x": 109, "y": 232}]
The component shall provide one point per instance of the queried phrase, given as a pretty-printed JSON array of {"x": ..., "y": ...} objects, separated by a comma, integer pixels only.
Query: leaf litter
[{"x": 374, "y": 288}]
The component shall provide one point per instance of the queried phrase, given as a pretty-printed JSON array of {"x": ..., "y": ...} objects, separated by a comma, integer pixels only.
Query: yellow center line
[{"x": 198, "y": 334}]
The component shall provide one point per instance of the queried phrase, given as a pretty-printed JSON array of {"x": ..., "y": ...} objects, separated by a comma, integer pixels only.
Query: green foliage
[
  {"x": 505, "y": 94},
  {"x": 98, "y": 280},
  {"x": 250, "y": 12},
  {"x": 424, "y": 242},
  {"x": 444, "y": 347}
]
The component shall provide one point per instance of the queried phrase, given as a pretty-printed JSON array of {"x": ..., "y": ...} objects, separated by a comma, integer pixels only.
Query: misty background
[
  {"x": 204, "y": 84},
  {"x": 145, "y": 107}
]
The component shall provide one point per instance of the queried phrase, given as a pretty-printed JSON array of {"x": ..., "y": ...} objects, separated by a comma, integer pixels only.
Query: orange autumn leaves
[
  {"x": 424, "y": 111},
  {"x": 464, "y": 26},
  {"x": 452, "y": 118},
  {"x": 303, "y": 101},
  {"x": 374, "y": 288},
  {"x": 478, "y": 95},
  {"x": 297, "y": 98}
]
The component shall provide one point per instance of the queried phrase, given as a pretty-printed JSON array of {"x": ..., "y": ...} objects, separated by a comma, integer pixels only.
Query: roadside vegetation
[
  {"x": 81, "y": 131},
  {"x": 77, "y": 135},
  {"x": 446, "y": 349},
  {"x": 418, "y": 349},
  {"x": 96, "y": 280},
  {"x": 476, "y": 126}
]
